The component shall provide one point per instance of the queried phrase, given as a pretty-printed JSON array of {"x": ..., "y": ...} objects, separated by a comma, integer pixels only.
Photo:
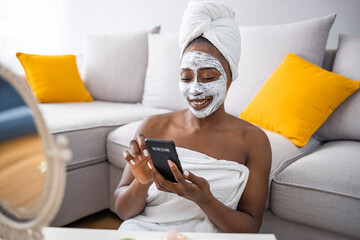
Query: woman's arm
[
  {"x": 130, "y": 196},
  {"x": 248, "y": 216},
  {"x": 131, "y": 193}
]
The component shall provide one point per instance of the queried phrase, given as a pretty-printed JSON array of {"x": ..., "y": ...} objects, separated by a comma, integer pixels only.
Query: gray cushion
[
  {"x": 161, "y": 87},
  {"x": 288, "y": 230},
  {"x": 264, "y": 47},
  {"x": 115, "y": 65},
  {"x": 284, "y": 152},
  {"x": 90, "y": 123},
  {"x": 344, "y": 122},
  {"x": 118, "y": 141},
  {"x": 322, "y": 189},
  {"x": 329, "y": 58}
]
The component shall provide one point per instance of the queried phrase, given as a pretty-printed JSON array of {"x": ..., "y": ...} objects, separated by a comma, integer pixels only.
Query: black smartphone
[{"x": 161, "y": 151}]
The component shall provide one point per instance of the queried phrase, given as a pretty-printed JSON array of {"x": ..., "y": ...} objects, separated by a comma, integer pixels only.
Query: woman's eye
[
  {"x": 185, "y": 79},
  {"x": 209, "y": 78}
]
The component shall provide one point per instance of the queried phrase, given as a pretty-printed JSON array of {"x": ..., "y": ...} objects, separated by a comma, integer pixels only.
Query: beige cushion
[
  {"x": 163, "y": 73},
  {"x": 115, "y": 66},
  {"x": 88, "y": 124},
  {"x": 322, "y": 189},
  {"x": 118, "y": 141},
  {"x": 284, "y": 152},
  {"x": 264, "y": 47},
  {"x": 344, "y": 122}
]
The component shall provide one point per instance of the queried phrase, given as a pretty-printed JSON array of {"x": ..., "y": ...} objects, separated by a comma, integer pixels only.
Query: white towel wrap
[
  {"x": 214, "y": 21},
  {"x": 165, "y": 211}
]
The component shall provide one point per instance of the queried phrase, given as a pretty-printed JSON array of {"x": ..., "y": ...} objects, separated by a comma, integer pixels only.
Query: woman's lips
[{"x": 199, "y": 104}]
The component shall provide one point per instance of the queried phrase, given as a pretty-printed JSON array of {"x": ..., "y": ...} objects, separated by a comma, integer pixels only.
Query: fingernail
[
  {"x": 170, "y": 163},
  {"x": 132, "y": 162},
  {"x": 186, "y": 173},
  {"x": 124, "y": 154},
  {"x": 140, "y": 157},
  {"x": 149, "y": 165},
  {"x": 146, "y": 153}
]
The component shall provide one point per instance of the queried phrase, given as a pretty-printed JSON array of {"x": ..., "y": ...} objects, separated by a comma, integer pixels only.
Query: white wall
[
  {"x": 80, "y": 17},
  {"x": 59, "y": 26}
]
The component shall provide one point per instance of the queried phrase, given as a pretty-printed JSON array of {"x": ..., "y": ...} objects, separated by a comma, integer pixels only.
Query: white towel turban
[{"x": 214, "y": 21}]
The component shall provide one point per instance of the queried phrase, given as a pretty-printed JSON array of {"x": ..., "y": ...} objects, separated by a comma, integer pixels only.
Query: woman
[{"x": 234, "y": 153}]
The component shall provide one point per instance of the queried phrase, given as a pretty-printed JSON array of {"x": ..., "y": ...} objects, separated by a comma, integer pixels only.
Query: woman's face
[{"x": 203, "y": 79}]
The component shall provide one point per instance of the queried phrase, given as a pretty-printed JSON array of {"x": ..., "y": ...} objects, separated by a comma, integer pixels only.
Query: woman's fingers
[
  {"x": 199, "y": 181},
  {"x": 138, "y": 147},
  {"x": 135, "y": 149},
  {"x": 159, "y": 187},
  {"x": 129, "y": 158},
  {"x": 176, "y": 172},
  {"x": 142, "y": 145},
  {"x": 161, "y": 181}
]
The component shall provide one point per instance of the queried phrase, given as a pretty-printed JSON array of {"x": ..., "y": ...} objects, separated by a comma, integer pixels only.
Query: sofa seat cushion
[
  {"x": 118, "y": 141},
  {"x": 284, "y": 152},
  {"x": 87, "y": 125},
  {"x": 322, "y": 189}
]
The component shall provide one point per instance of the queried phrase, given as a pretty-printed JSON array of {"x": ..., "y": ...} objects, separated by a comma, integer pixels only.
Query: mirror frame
[{"x": 56, "y": 153}]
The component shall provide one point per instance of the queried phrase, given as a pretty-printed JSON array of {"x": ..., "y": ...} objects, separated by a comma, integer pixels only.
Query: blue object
[
  {"x": 9, "y": 97},
  {"x": 15, "y": 117}
]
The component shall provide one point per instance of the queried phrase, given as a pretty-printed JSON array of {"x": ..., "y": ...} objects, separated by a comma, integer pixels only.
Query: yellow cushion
[
  {"x": 297, "y": 98},
  {"x": 54, "y": 79}
]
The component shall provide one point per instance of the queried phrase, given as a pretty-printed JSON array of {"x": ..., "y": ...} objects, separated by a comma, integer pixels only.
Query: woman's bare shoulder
[
  {"x": 154, "y": 125},
  {"x": 248, "y": 132},
  {"x": 255, "y": 142}
]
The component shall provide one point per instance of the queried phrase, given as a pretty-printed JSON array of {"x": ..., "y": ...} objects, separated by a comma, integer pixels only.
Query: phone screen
[{"x": 161, "y": 151}]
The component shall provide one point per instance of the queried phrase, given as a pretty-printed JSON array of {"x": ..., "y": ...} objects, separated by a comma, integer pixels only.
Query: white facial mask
[{"x": 196, "y": 90}]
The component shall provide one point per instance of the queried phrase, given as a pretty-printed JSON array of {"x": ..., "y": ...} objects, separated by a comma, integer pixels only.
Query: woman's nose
[{"x": 196, "y": 89}]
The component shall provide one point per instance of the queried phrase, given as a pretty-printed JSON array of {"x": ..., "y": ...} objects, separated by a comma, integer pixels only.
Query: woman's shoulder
[
  {"x": 252, "y": 138},
  {"x": 246, "y": 129},
  {"x": 154, "y": 124},
  {"x": 161, "y": 118}
]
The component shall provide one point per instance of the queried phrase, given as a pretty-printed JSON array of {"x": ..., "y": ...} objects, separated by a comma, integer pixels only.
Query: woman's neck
[{"x": 209, "y": 122}]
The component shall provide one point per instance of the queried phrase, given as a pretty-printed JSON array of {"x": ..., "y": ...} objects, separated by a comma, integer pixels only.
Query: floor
[
  {"x": 22, "y": 175},
  {"x": 102, "y": 220},
  {"x": 22, "y": 170}
]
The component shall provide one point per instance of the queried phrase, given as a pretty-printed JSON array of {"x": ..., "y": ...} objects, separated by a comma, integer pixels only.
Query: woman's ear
[{"x": 228, "y": 83}]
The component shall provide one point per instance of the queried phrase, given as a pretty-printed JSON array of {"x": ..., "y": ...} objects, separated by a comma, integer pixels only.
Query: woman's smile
[{"x": 198, "y": 104}]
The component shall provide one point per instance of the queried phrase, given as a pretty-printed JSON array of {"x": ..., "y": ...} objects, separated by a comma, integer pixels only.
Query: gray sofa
[{"x": 314, "y": 190}]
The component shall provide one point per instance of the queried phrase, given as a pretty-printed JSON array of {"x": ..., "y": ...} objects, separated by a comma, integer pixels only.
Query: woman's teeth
[{"x": 199, "y": 102}]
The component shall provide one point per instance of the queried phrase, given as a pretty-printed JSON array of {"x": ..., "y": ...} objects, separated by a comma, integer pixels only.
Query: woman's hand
[
  {"x": 137, "y": 160},
  {"x": 188, "y": 185}
]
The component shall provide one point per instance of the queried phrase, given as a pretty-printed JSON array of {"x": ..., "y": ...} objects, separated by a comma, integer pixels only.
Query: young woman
[{"x": 230, "y": 194}]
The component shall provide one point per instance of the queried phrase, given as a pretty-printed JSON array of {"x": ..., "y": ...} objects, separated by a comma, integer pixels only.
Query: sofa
[{"x": 314, "y": 191}]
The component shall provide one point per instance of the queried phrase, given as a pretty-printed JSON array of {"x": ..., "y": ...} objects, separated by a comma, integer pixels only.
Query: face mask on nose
[{"x": 201, "y": 91}]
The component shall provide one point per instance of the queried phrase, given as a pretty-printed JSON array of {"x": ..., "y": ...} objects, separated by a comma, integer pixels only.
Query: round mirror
[
  {"x": 22, "y": 158},
  {"x": 32, "y": 162}
]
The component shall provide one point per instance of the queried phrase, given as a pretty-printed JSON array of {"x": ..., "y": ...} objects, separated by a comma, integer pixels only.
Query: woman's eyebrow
[
  {"x": 185, "y": 69},
  {"x": 207, "y": 68}
]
